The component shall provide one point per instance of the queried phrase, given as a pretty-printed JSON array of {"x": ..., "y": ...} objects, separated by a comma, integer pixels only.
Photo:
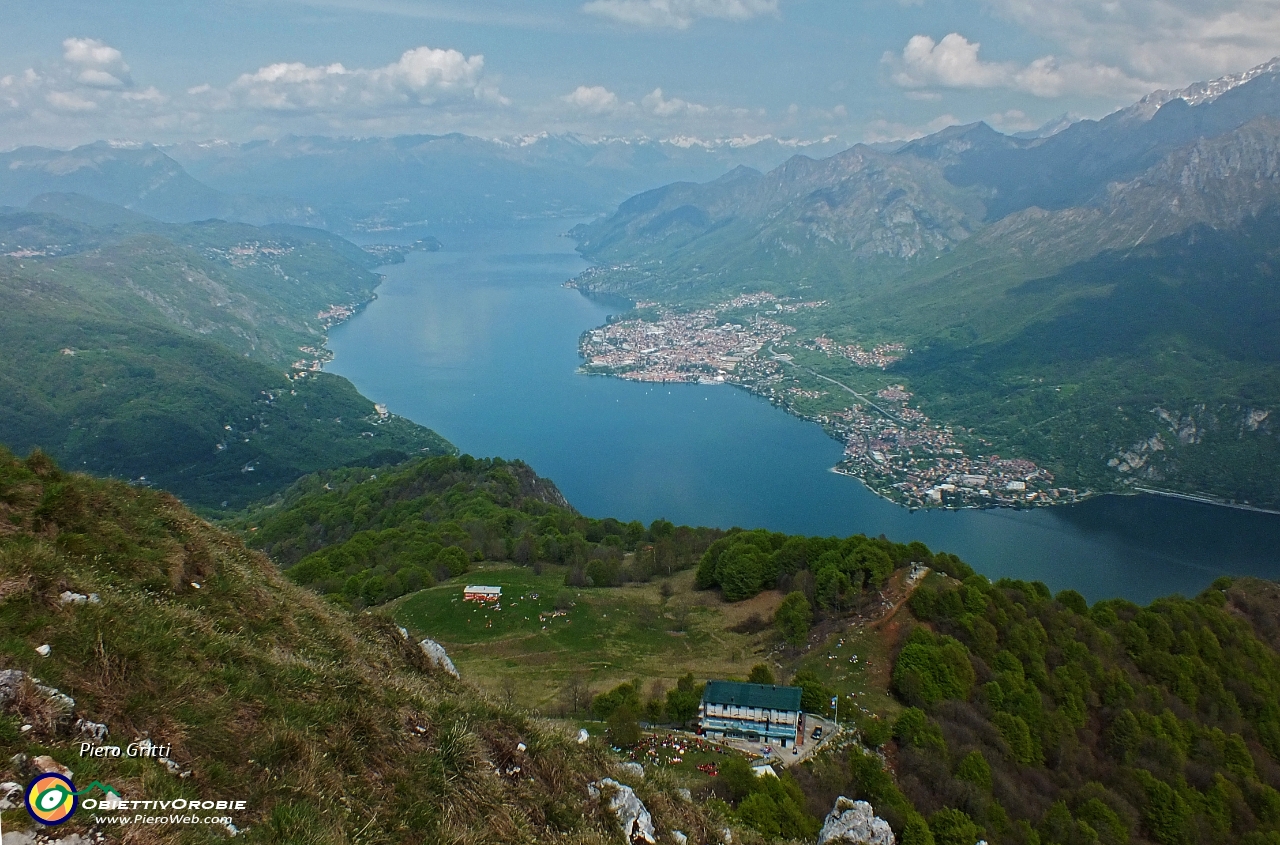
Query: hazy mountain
[
  {"x": 378, "y": 184},
  {"x": 929, "y": 195},
  {"x": 1066, "y": 296}
]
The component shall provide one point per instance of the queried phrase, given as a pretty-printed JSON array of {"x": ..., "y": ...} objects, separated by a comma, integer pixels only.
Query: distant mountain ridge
[
  {"x": 368, "y": 186},
  {"x": 1133, "y": 246},
  {"x": 930, "y": 194}
]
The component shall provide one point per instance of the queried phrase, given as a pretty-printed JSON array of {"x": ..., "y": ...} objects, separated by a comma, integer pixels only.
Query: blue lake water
[{"x": 479, "y": 342}]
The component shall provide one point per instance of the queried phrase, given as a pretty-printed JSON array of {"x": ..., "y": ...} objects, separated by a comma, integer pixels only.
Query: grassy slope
[
  {"x": 266, "y": 693},
  {"x": 610, "y": 635}
]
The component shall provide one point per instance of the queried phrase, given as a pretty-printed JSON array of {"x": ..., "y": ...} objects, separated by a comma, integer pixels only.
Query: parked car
[{"x": 817, "y": 732}]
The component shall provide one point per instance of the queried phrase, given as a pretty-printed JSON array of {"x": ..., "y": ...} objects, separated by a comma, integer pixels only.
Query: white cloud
[
  {"x": 1013, "y": 120},
  {"x": 95, "y": 63},
  {"x": 595, "y": 99},
  {"x": 68, "y": 101},
  {"x": 1173, "y": 42},
  {"x": 678, "y": 14},
  {"x": 89, "y": 90},
  {"x": 953, "y": 62},
  {"x": 884, "y": 130},
  {"x": 421, "y": 77},
  {"x": 659, "y": 106}
]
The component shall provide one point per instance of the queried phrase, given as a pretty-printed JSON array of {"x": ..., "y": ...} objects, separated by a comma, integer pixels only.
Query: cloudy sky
[{"x": 73, "y": 71}]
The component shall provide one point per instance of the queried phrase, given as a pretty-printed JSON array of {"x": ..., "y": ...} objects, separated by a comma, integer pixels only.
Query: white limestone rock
[
  {"x": 10, "y": 681},
  {"x": 854, "y": 823},
  {"x": 632, "y": 769},
  {"x": 438, "y": 656},
  {"x": 96, "y": 731},
  {"x": 637, "y": 824},
  {"x": 10, "y": 795}
]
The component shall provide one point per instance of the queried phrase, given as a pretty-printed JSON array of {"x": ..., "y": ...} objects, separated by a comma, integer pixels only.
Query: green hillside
[
  {"x": 162, "y": 356},
  {"x": 365, "y": 536},
  {"x": 331, "y": 727},
  {"x": 1039, "y": 719},
  {"x": 1002, "y": 712}
]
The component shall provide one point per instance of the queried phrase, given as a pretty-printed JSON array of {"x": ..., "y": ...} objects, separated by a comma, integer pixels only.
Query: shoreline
[
  {"x": 1077, "y": 499},
  {"x": 1201, "y": 499}
]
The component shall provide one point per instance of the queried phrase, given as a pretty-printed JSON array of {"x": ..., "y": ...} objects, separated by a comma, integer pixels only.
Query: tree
[
  {"x": 760, "y": 674},
  {"x": 931, "y": 668},
  {"x": 454, "y": 560},
  {"x": 655, "y": 707},
  {"x": 574, "y": 695},
  {"x": 793, "y": 618},
  {"x": 833, "y": 587},
  {"x": 624, "y": 727},
  {"x": 683, "y": 701},
  {"x": 975, "y": 769},
  {"x": 604, "y": 704},
  {"x": 953, "y": 827},
  {"x": 741, "y": 572},
  {"x": 509, "y": 691},
  {"x": 814, "y": 696},
  {"x": 760, "y": 812}
]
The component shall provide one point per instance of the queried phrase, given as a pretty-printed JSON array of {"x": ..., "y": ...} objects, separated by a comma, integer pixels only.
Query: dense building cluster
[
  {"x": 698, "y": 346},
  {"x": 894, "y": 448},
  {"x": 248, "y": 253},
  {"x": 901, "y": 453},
  {"x": 880, "y": 356}
]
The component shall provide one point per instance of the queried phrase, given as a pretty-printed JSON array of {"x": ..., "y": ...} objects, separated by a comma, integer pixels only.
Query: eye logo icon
[{"x": 51, "y": 799}]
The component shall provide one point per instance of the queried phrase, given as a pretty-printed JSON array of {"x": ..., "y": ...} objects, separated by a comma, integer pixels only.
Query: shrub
[
  {"x": 953, "y": 827},
  {"x": 793, "y": 618}
]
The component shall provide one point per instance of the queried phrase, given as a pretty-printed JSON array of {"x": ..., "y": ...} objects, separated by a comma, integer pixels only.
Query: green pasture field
[{"x": 606, "y": 636}]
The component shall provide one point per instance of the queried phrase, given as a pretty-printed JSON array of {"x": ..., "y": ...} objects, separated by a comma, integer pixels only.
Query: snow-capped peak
[{"x": 1201, "y": 92}]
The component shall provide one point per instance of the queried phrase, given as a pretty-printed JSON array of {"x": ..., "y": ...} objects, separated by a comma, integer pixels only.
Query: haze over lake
[{"x": 479, "y": 342}]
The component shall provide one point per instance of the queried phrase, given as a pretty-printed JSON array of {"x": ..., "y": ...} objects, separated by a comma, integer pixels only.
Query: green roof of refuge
[{"x": 772, "y": 697}]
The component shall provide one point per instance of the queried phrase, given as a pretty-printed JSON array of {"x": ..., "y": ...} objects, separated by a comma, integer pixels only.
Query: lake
[{"x": 479, "y": 342}]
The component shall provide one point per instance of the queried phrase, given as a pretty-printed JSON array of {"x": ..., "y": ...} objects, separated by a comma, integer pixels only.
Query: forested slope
[{"x": 162, "y": 353}]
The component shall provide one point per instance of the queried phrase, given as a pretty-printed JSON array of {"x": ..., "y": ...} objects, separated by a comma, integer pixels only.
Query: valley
[{"x": 949, "y": 566}]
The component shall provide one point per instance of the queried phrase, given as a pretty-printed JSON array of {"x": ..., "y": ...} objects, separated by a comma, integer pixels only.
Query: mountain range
[
  {"x": 1092, "y": 259},
  {"x": 363, "y": 187}
]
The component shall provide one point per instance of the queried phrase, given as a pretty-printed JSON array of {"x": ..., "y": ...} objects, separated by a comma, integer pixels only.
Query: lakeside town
[{"x": 891, "y": 446}]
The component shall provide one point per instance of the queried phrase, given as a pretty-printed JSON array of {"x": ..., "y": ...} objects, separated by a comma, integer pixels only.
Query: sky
[{"x": 76, "y": 71}]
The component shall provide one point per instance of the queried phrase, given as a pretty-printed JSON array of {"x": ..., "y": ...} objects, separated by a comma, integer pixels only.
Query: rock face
[
  {"x": 439, "y": 656},
  {"x": 10, "y": 681},
  {"x": 637, "y": 824},
  {"x": 632, "y": 769},
  {"x": 10, "y": 795},
  {"x": 854, "y": 823}
]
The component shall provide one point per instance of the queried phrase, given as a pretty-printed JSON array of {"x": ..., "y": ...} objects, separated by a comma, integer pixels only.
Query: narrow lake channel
[{"x": 479, "y": 342}]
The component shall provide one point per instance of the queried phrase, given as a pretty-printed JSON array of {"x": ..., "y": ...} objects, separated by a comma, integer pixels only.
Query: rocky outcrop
[
  {"x": 438, "y": 656},
  {"x": 622, "y": 801},
  {"x": 854, "y": 823},
  {"x": 631, "y": 768}
]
